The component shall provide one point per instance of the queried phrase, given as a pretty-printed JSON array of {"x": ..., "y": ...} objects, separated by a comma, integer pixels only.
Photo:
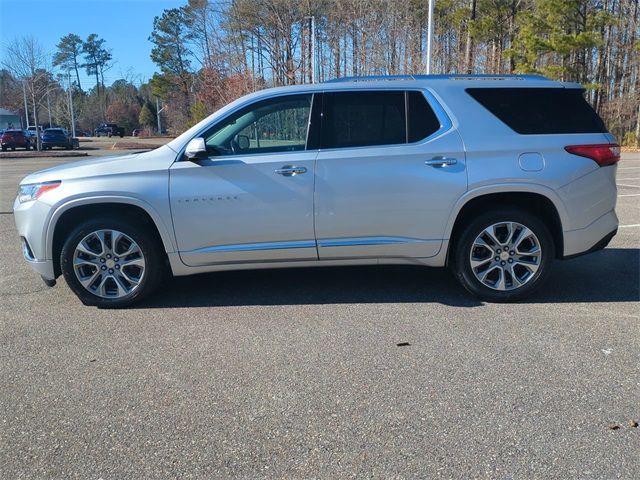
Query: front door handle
[
  {"x": 439, "y": 162},
  {"x": 290, "y": 170}
]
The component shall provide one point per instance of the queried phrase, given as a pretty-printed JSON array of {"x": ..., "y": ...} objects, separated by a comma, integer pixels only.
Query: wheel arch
[
  {"x": 540, "y": 201},
  {"x": 67, "y": 216}
]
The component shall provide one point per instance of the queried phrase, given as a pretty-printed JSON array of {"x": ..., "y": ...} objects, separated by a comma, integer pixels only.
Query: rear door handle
[
  {"x": 439, "y": 162},
  {"x": 290, "y": 170}
]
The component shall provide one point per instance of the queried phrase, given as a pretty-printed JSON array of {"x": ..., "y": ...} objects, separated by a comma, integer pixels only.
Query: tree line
[
  {"x": 210, "y": 52},
  {"x": 43, "y": 87}
]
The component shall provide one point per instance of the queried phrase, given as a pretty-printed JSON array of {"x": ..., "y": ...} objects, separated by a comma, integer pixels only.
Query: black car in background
[
  {"x": 109, "y": 130},
  {"x": 58, "y": 137}
]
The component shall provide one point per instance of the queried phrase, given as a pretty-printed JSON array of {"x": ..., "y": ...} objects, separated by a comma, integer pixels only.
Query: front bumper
[
  {"x": 32, "y": 219},
  {"x": 43, "y": 267}
]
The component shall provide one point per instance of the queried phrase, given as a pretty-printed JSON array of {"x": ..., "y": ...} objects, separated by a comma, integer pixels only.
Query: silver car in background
[{"x": 493, "y": 176}]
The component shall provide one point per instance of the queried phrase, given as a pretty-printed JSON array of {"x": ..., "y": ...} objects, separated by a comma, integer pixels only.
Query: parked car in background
[
  {"x": 32, "y": 132},
  {"x": 58, "y": 137},
  {"x": 15, "y": 138},
  {"x": 109, "y": 130},
  {"x": 495, "y": 177},
  {"x": 31, "y": 135}
]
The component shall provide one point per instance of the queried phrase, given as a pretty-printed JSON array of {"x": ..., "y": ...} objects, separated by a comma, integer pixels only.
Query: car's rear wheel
[
  {"x": 504, "y": 255},
  {"x": 112, "y": 263}
]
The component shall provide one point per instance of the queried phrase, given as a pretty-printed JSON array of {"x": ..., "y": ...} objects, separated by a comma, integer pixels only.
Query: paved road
[{"x": 298, "y": 374}]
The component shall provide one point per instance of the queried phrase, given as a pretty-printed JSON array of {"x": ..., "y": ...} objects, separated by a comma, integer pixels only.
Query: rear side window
[
  {"x": 357, "y": 119},
  {"x": 531, "y": 111},
  {"x": 422, "y": 121}
]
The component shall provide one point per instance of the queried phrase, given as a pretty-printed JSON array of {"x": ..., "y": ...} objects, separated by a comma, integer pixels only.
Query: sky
[{"x": 124, "y": 24}]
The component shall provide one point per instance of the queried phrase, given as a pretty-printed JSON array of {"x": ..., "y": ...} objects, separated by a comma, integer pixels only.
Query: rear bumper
[{"x": 594, "y": 237}]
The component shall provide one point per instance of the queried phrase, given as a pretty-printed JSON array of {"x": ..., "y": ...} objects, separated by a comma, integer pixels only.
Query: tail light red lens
[{"x": 603, "y": 154}]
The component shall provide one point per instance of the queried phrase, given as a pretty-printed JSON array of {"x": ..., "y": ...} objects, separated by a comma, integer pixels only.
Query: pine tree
[
  {"x": 146, "y": 117},
  {"x": 69, "y": 50}
]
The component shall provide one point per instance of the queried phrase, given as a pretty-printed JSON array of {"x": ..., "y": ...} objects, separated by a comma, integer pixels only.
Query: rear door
[{"x": 390, "y": 168}]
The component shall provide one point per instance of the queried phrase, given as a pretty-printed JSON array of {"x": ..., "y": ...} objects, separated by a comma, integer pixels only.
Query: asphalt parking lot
[{"x": 298, "y": 373}]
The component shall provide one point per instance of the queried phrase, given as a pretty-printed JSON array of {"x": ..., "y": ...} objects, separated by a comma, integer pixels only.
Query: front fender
[{"x": 166, "y": 235}]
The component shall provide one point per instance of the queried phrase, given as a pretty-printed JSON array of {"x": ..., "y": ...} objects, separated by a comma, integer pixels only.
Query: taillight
[{"x": 603, "y": 154}]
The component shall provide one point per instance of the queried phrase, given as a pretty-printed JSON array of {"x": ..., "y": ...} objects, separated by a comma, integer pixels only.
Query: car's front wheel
[
  {"x": 112, "y": 263},
  {"x": 502, "y": 256}
]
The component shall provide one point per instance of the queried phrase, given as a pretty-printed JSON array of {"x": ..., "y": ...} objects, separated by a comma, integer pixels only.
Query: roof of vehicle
[{"x": 55, "y": 129}]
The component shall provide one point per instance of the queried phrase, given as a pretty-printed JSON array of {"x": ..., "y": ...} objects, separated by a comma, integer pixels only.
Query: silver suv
[{"x": 493, "y": 176}]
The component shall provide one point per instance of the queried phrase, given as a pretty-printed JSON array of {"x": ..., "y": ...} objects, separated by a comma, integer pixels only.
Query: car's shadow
[{"x": 611, "y": 275}]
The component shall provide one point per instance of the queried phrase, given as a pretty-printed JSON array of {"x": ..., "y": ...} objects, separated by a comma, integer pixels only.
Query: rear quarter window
[{"x": 531, "y": 111}]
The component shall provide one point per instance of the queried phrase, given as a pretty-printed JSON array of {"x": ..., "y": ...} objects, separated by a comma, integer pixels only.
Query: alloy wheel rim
[
  {"x": 505, "y": 256},
  {"x": 109, "y": 264}
]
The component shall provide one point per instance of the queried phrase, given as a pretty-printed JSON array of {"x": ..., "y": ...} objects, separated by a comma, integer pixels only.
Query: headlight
[{"x": 33, "y": 191}]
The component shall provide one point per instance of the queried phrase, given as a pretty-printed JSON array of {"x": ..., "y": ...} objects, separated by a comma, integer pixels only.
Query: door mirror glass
[{"x": 196, "y": 149}]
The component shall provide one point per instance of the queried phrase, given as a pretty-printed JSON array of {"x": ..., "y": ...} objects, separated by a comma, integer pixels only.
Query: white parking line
[
  {"x": 630, "y": 178},
  {"x": 623, "y": 185},
  {"x": 629, "y": 168},
  {"x": 630, "y": 195},
  {"x": 629, "y": 226}
]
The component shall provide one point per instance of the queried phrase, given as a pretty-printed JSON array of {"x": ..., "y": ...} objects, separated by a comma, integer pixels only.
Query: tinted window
[
  {"x": 279, "y": 124},
  {"x": 422, "y": 121},
  {"x": 540, "y": 110},
  {"x": 356, "y": 119}
]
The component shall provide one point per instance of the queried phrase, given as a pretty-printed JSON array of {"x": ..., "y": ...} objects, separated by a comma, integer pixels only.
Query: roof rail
[
  {"x": 370, "y": 78},
  {"x": 452, "y": 76}
]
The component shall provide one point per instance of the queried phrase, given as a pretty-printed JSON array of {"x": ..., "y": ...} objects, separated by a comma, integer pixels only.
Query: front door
[
  {"x": 388, "y": 174},
  {"x": 252, "y": 199}
]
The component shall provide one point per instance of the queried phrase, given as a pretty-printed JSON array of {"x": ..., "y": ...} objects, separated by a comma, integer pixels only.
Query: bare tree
[{"x": 29, "y": 63}]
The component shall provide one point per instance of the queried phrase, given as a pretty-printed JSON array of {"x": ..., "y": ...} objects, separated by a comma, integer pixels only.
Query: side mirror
[
  {"x": 196, "y": 149},
  {"x": 243, "y": 142}
]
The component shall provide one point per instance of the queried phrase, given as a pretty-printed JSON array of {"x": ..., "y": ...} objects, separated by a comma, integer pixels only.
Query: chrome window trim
[{"x": 446, "y": 124}]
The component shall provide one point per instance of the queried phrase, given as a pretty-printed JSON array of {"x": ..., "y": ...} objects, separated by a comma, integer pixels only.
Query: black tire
[
  {"x": 4, "y": 149},
  {"x": 149, "y": 244},
  {"x": 27, "y": 147},
  {"x": 462, "y": 246}
]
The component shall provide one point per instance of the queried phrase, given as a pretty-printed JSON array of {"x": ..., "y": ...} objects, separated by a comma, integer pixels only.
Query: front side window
[{"x": 275, "y": 125}]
